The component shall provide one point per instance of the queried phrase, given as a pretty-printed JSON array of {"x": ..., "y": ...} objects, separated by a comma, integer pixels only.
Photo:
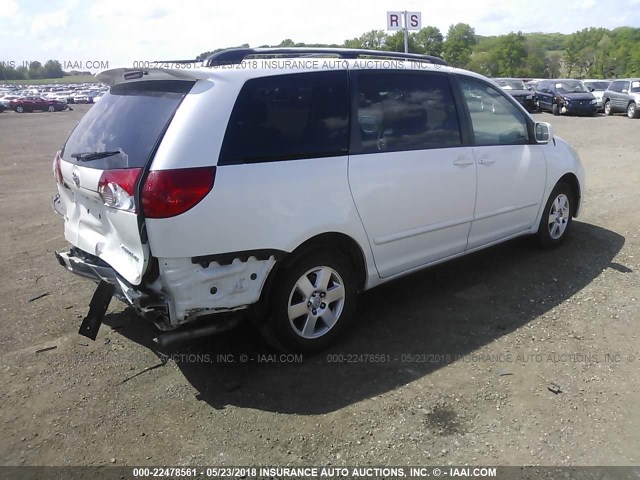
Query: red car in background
[{"x": 31, "y": 104}]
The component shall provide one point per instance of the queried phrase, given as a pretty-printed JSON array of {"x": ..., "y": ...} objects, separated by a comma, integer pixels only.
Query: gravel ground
[{"x": 465, "y": 351}]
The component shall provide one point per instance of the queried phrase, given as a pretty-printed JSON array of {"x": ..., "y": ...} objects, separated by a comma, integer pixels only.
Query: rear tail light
[
  {"x": 118, "y": 187},
  {"x": 57, "y": 170},
  {"x": 167, "y": 193}
]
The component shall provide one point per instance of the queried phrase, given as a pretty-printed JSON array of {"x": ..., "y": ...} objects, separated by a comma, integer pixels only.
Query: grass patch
[{"x": 54, "y": 81}]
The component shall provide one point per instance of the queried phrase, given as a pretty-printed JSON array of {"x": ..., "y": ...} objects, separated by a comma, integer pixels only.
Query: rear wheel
[
  {"x": 51, "y": 108},
  {"x": 557, "y": 216},
  {"x": 607, "y": 108},
  {"x": 313, "y": 301},
  {"x": 632, "y": 111}
]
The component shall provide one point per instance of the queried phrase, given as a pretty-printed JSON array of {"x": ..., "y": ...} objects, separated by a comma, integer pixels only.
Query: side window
[
  {"x": 404, "y": 111},
  {"x": 496, "y": 121},
  {"x": 288, "y": 117},
  {"x": 616, "y": 86}
]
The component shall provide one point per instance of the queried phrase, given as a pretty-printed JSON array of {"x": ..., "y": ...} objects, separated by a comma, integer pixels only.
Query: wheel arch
[
  {"x": 571, "y": 180},
  {"x": 327, "y": 241},
  {"x": 344, "y": 244}
]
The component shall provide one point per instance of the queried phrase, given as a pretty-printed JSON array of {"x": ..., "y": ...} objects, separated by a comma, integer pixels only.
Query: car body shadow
[{"x": 442, "y": 314}]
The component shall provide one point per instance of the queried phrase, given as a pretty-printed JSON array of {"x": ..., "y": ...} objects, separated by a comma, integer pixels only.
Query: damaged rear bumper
[
  {"x": 185, "y": 288},
  {"x": 93, "y": 268}
]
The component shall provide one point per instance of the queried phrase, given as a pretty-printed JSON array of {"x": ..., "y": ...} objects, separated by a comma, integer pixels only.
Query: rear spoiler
[{"x": 116, "y": 76}]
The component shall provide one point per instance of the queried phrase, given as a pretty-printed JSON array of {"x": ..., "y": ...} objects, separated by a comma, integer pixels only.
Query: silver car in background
[{"x": 623, "y": 96}]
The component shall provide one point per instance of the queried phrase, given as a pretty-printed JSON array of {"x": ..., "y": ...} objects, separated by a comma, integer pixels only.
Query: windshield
[
  {"x": 571, "y": 87},
  {"x": 597, "y": 85},
  {"x": 128, "y": 120},
  {"x": 511, "y": 84}
]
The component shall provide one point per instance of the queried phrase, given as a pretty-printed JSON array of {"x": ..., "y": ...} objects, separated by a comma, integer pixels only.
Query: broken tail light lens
[
  {"x": 118, "y": 187},
  {"x": 167, "y": 193}
]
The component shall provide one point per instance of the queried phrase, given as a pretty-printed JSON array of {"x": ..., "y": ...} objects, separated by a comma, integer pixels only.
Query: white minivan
[{"x": 283, "y": 182}]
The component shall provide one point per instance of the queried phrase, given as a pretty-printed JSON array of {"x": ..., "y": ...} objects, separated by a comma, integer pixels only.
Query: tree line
[
  {"x": 32, "y": 71},
  {"x": 588, "y": 53}
]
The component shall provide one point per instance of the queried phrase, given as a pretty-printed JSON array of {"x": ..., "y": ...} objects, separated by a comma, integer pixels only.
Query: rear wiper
[{"x": 89, "y": 156}]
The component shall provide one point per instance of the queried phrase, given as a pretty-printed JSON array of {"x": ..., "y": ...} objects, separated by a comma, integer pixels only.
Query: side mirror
[
  {"x": 543, "y": 132},
  {"x": 591, "y": 89},
  {"x": 369, "y": 124}
]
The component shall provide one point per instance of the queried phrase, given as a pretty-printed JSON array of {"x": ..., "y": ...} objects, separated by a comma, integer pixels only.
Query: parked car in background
[
  {"x": 162, "y": 191},
  {"x": 565, "y": 96},
  {"x": 623, "y": 96},
  {"x": 31, "y": 104},
  {"x": 597, "y": 87},
  {"x": 5, "y": 101},
  {"x": 518, "y": 90},
  {"x": 82, "y": 97},
  {"x": 63, "y": 96}
]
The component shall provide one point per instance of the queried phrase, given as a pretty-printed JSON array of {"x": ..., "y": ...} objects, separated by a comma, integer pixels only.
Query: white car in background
[
  {"x": 4, "y": 100},
  {"x": 283, "y": 192},
  {"x": 597, "y": 88}
]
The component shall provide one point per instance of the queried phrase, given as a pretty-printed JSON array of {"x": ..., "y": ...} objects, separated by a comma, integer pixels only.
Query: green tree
[
  {"x": 511, "y": 51},
  {"x": 36, "y": 70},
  {"x": 459, "y": 44},
  {"x": 534, "y": 64},
  {"x": 429, "y": 41},
  {"x": 395, "y": 42},
  {"x": 553, "y": 65},
  {"x": 53, "y": 69},
  {"x": 485, "y": 63},
  {"x": 373, "y": 40}
]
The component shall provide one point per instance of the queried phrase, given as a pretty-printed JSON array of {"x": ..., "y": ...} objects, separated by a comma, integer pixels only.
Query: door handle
[
  {"x": 463, "y": 161},
  {"x": 485, "y": 160}
]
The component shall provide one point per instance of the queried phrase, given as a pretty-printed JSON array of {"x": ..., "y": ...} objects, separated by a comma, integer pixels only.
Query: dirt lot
[{"x": 470, "y": 348}]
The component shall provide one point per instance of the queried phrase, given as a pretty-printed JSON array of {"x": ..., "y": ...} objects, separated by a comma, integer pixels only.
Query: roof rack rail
[
  {"x": 237, "y": 55},
  {"x": 176, "y": 61}
]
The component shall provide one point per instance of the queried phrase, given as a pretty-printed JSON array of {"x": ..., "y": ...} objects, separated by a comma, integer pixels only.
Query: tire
[
  {"x": 557, "y": 216},
  {"x": 51, "y": 108},
  {"x": 632, "y": 110},
  {"x": 555, "y": 109},
  {"x": 299, "y": 318},
  {"x": 607, "y": 108},
  {"x": 20, "y": 109}
]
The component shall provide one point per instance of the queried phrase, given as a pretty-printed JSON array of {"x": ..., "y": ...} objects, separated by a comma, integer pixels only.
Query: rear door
[
  {"x": 544, "y": 96},
  {"x": 412, "y": 180},
  {"x": 102, "y": 164}
]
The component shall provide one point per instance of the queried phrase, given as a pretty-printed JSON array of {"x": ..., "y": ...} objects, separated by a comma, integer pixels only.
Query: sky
[{"x": 120, "y": 32}]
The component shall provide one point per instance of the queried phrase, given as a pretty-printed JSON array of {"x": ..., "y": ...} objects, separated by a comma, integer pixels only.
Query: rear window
[{"x": 129, "y": 119}]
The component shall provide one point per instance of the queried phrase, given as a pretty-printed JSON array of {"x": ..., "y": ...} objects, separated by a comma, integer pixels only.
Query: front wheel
[
  {"x": 313, "y": 301},
  {"x": 555, "y": 109},
  {"x": 632, "y": 111},
  {"x": 607, "y": 108},
  {"x": 20, "y": 109},
  {"x": 51, "y": 108},
  {"x": 557, "y": 216}
]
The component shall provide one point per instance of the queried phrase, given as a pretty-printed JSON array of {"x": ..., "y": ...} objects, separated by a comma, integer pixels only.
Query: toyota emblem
[{"x": 76, "y": 178}]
